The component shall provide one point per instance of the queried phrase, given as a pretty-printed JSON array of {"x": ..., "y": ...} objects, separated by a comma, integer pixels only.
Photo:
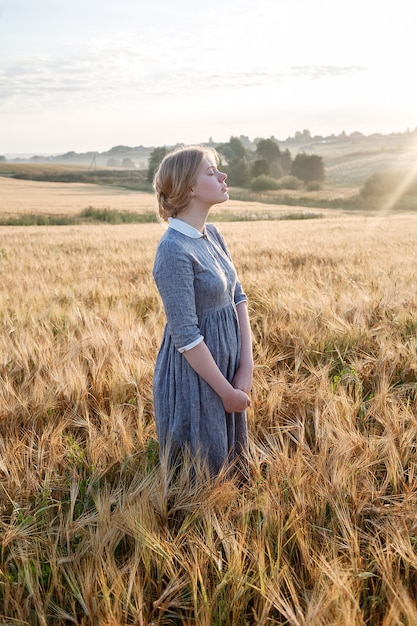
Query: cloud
[
  {"x": 316, "y": 72},
  {"x": 103, "y": 73},
  {"x": 38, "y": 75}
]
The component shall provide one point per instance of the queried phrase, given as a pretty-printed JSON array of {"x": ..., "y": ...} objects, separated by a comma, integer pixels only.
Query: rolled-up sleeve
[
  {"x": 239, "y": 295},
  {"x": 174, "y": 276}
]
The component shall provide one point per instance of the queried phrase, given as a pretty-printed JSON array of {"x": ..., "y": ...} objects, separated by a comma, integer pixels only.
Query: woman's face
[{"x": 210, "y": 186}]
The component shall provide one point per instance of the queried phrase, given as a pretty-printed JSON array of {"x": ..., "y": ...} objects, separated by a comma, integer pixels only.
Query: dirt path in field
[{"x": 27, "y": 196}]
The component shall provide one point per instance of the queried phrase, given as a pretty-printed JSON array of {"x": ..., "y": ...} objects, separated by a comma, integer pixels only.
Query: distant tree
[
  {"x": 155, "y": 159},
  {"x": 113, "y": 162},
  {"x": 226, "y": 151},
  {"x": 237, "y": 159},
  {"x": 234, "y": 151},
  {"x": 268, "y": 149},
  {"x": 128, "y": 163},
  {"x": 343, "y": 136},
  {"x": 302, "y": 137},
  {"x": 264, "y": 183},
  {"x": 260, "y": 166},
  {"x": 119, "y": 150},
  {"x": 2, "y": 159},
  {"x": 308, "y": 167},
  {"x": 286, "y": 161},
  {"x": 238, "y": 174},
  {"x": 289, "y": 182},
  {"x": 388, "y": 182},
  {"x": 69, "y": 155},
  {"x": 275, "y": 169},
  {"x": 239, "y": 151}
]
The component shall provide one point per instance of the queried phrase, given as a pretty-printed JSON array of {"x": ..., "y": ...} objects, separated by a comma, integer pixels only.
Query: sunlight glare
[{"x": 408, "y": 177}]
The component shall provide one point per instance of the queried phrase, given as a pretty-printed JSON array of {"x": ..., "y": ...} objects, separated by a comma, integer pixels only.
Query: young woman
[{"x": 203, "y": 373}]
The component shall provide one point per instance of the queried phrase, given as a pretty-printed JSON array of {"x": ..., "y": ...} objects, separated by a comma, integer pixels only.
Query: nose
[{"x": 223, "y": 176}]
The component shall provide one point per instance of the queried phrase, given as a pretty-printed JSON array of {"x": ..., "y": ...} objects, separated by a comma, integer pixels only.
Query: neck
[{"x": 196, "y": 219}]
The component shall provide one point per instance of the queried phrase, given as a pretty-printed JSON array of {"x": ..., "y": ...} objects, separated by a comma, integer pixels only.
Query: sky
[{"x": 87, "y": 75}]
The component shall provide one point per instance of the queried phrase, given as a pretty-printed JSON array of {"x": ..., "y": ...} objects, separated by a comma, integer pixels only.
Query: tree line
[{"x": 265, "y": 168}]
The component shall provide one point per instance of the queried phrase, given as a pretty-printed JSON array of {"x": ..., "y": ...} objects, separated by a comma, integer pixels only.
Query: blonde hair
[{"x": 175, "y": 177}]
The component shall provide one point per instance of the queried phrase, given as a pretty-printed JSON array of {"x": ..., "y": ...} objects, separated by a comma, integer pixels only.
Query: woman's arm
[
  {"x": 201, "y": 360},
  {"x": 243, "y": 377}
]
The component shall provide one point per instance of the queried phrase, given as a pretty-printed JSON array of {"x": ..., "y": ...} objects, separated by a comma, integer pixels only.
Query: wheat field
[
  {"x": 27, "y": 196},
  {"x": 323, "y": 531}
]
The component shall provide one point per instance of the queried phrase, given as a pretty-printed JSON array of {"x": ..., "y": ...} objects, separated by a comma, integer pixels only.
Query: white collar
[{"x": 184, "y": 228}]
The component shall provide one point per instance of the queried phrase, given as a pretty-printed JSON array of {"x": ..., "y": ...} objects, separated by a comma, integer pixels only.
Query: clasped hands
[{"x": 238, "y": 399}]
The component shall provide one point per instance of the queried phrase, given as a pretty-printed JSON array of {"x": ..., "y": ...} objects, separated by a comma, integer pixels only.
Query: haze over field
[{"x": 88, "y": 76}]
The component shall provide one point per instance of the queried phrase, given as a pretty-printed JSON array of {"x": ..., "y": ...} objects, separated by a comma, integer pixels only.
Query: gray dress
[{"x": 200, "y": 290}]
